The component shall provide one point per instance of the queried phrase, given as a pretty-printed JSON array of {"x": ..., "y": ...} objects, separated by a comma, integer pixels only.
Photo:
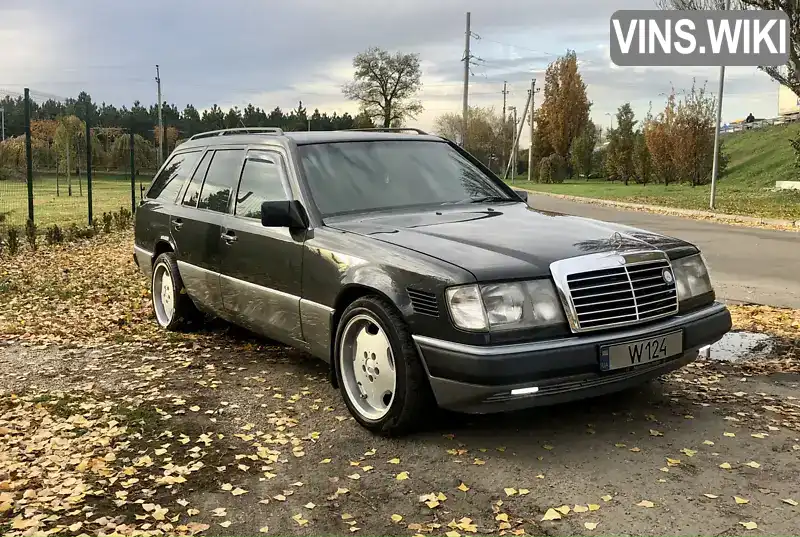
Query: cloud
[{"x": 275, "y": 53}]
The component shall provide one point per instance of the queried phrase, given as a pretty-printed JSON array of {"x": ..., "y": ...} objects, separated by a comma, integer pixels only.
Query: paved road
[{"x": 748, "y": 264}]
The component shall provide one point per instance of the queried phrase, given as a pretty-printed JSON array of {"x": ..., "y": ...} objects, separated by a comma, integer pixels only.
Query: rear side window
[
  {"x": 192, "y": 193},
  {"x": 221, "y": 179},
  {"x": 169, "y": 182},
  {"x": 262, "y": 180}
]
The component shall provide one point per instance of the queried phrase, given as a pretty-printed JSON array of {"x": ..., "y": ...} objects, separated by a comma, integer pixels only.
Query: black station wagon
[{"x": 416, "y": 273}]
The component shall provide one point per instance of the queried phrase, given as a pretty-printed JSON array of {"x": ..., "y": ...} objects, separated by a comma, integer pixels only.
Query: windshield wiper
[{"x": 490, "y": 199}]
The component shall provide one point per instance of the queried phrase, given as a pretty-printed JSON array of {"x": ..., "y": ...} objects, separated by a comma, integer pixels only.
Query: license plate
[{"x": 641, "y": 351}]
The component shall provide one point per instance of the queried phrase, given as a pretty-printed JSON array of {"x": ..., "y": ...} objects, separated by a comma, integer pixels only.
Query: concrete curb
[{"x": 722, "y": 217}]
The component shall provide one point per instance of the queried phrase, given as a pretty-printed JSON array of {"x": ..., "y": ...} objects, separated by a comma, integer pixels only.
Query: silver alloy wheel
[
  {"x": 163, "y": 294},
  {"x": 367, "y": 367}
]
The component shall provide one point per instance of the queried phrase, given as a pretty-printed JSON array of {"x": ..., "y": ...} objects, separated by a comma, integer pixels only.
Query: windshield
[{"x": 348, "y": 177}]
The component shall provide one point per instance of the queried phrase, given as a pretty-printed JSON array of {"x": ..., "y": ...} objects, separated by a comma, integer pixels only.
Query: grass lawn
[
  {"x": 757, "y": 159},
  {"x": 55, "y": 206}
]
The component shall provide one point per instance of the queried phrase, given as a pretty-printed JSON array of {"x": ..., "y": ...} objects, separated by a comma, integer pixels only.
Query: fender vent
[{"x": 424, "y": 303}]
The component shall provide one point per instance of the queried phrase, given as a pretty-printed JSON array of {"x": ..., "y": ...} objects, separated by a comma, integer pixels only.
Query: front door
[{"x": 262, "y": 267}]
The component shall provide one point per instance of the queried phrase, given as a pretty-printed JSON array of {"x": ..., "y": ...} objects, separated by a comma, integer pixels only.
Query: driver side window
[{"x": 262, "y": 180}]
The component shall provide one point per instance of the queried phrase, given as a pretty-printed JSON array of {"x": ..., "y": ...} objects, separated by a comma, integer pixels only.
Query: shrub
[
  {"x": 122, "y": 219},
  {"x": 54, "y": 235},
  {"x": 107, "y": 221},
  {"x": 552, "y": 169},
  {"x": 95, "y": 226},
  {"x": 76, "y": 232},
  {"x": 30, "y": 234},
  {"x": 13, "y": 242}
]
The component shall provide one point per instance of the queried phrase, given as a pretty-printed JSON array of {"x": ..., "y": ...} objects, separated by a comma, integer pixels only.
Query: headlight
[
  {"x": 691, "y": 277},
  {"x": 505, "y": 306}
]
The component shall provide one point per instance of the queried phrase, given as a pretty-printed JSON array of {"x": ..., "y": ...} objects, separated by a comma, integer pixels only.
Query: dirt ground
[{"x": 109, "y": 426}]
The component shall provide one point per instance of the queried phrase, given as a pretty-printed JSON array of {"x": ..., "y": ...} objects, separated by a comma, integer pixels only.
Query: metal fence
[{"x": 39, "y": 185}]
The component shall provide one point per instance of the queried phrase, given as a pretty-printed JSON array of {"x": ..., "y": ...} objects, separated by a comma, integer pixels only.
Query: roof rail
[
  {"x": 240, "y": 130},
  {"x": 391, "y": 129}
]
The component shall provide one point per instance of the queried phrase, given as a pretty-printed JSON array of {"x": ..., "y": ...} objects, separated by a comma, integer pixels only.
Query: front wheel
[
  {"x": 378, "y": 369},
  {"x": 172, "y": 306}
]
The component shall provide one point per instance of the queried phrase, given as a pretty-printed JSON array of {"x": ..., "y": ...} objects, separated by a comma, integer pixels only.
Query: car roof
[{"x": 308, "y": 137}]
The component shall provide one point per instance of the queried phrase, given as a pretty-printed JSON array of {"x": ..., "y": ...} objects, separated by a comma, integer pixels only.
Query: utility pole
[
  {"x": 514, "y": 150},
  {"x": 715, "y": 167},
  {"x": 519, "y": 132},
  {"x": 3, "y": 120},
  {"x": 530, "y": 146},
  {"x": 160, "y": 121},
  {"x": 29, "y": 153},
  {"x": 503, "y": 131},
  {"x": 467, "y": 57}
]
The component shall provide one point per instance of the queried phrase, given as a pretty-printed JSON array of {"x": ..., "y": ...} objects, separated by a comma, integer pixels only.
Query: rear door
[
  {"x": 197, "y": 225},
  {"x": 262, "y": 267}
]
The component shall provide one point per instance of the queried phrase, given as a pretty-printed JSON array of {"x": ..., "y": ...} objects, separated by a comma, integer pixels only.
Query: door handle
[
  {"x": 229, "y": 237},
  {"x": 177, "y": 224}
]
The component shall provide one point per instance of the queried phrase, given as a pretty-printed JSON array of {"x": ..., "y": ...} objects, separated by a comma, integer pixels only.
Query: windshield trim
[{"x": 486, "y": 172}]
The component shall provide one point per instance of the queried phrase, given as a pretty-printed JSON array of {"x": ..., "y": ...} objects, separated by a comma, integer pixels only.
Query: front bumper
[{"x": 480, "y": 379}]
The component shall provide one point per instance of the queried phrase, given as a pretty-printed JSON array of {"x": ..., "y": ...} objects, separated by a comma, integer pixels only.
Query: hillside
[{"x": 758, "y": 158}]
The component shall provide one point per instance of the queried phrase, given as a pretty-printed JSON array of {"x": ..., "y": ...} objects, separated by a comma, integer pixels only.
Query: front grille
[
  {"x": 622, "y": 295},
  {"x": 423, "y": 302}
]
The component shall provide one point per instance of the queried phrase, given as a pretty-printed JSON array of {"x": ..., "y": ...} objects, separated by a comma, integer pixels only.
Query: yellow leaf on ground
[
  {"x": 635, "y": 449},
  {"x": 453, "y": 534},
  {"x": 708, "y": 442},
  {"x": 619, "y": 445},
  {"x": 593, "y": 507},
  {"x": 432, "y": 503},
  {"x": 580, "y": 508},
  {"x": 646, "y": 503},
  {"x": 548, "y": 447},
  {"x": 753, "y": 464},
  {"x": 441, "y": 497},
  {"x": 673, "y": 462},
  {"x": 227, "y": 487},
  {"x": 356, "y": 476},
  {"x": 789, "y": 501},
  {"x": 712, "y": 496},
  {"x": 325, "y": 461},
  {"x": 502, "y": 517},
  {"x": 238, "y": 491},
  {"x": 263, "y": 529},
  {"x": 394, "y": 461},
  {"x": 402, "y": 476},
  {"x": 590, "y": 525},
  {"x": 725, "y": 466},
  {"x": 366, "y": 468},
  {"x": 689, "y": 452},
  {"x": 523, "y": 492},
  {"x": 279, "y": 497},
  {"x": 463, "y": 488},
  {"x": 341, "y": 491},
  {"x": 759, "y": 435},
  {"x": 750, "y": 525},
  {"x": 729, "y": 435},
  {"x": 551, "y": 514},
  {"x": 564, "y": 509},
  {"x": 346, "y": 516},
  {"x": 653, "y": 432},
  {"x": 225, "y": 524},
  {"x": 396, "y": 518},
  {"x": 510, "y": 491},
  {"x": 606, "y": 498},
  {"x": 740, "y": 500},
  {"x": 479, "y": 462},
  {"x": 310, "y": 505}
]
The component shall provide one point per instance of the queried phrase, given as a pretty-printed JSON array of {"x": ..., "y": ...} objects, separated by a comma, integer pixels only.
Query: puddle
[{"x": 735, "y": 346}]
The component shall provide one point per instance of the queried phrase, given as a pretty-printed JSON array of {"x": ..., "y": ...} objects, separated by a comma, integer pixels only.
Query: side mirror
[
  {"x": 523, "y": 194},
  {"x": 283, "y": 214}
]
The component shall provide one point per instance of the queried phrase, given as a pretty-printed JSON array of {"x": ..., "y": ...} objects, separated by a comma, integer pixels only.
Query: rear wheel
[
  {"x": 378, "y": 369},
  {"x": 172, "y": 306}
]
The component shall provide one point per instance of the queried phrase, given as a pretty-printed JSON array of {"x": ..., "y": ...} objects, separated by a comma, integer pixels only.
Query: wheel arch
[{"x": 347, "y": 295}]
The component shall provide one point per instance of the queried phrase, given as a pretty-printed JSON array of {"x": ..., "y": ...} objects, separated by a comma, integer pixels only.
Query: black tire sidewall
[{"x": 378, "y": 313}]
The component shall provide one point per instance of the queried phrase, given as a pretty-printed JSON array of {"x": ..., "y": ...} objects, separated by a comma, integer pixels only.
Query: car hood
[{"x": 505, "y": 240}]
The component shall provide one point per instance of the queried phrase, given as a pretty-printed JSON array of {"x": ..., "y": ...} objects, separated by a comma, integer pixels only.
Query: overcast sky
[{"x": 274, "y": 53}]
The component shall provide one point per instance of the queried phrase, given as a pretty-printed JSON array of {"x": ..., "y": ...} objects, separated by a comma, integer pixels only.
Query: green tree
[
  {"x": 619, "y": 159},
  {"x": 484, "y": 133},
  {"x": 386, "y": 85},
  {"x": 641, "y": 159},
  {"x": 582, "y": 151},
  {"x": 660, "y": 133}
]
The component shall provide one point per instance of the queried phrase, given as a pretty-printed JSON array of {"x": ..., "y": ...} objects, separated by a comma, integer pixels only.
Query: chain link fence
[{"x": 45, "y": 179}]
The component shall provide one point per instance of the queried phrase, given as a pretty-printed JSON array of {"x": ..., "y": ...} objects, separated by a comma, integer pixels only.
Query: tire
[
  {"x": 373, "y": 318},
  {"x": 173, "y": 308}
]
